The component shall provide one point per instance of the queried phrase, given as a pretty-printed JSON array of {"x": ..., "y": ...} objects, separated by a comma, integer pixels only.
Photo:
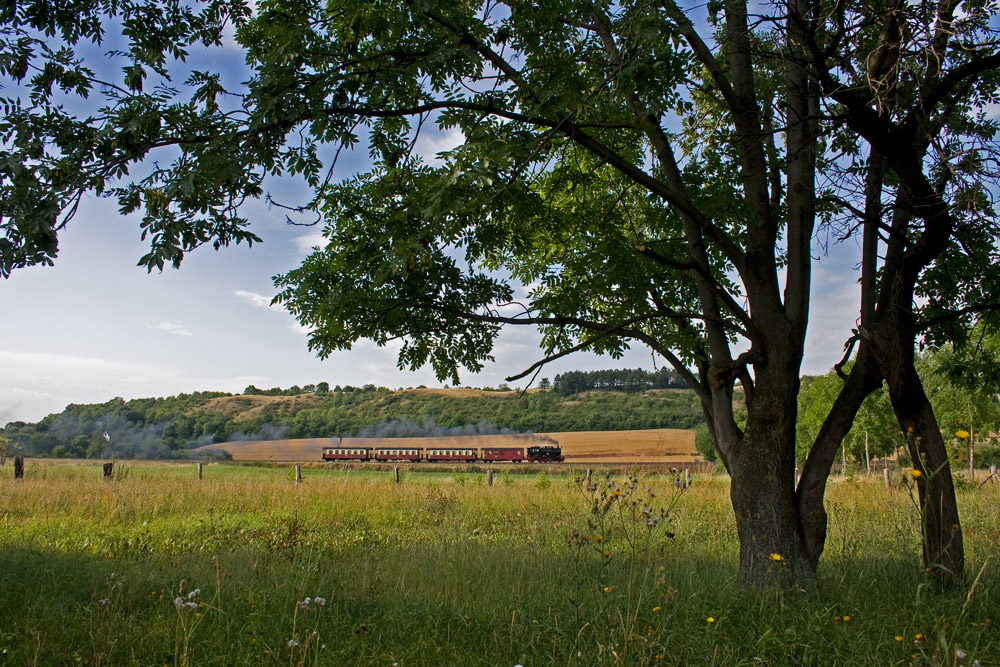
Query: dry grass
[{"x": 648, "y": 446}]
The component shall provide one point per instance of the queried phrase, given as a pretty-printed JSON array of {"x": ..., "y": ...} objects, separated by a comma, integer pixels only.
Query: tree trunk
[
  {"x": 943, "y": 549},
  {"x": 772, "y": 550},
  {"x": 863, "y": 380},
  {"x": 773, "y": 553}
]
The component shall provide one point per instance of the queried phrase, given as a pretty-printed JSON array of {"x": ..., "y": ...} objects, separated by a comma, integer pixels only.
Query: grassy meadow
[{"x": 246, "y": 567}]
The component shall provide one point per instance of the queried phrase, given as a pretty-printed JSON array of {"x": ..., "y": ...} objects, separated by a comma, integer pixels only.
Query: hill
[{"x": 168, "y": 427}]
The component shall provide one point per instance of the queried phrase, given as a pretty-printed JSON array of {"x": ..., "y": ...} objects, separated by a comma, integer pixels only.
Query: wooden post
[
  {"x": 993, "y": 471},
  {"x": 868, "y": 463},
  {"x": 199, "y": 470},
  {"x": 885, "y": 475},
  {"x": 18, "y": 467},
  {"x": 589, "y": 471},
  {"x": 298, "y": 474},
  {"x": 489, "y": 478},
  {"x": 109, "y": 471},
  {"x": 687, "y": 478},
  {"x": 397, "y": 474}
]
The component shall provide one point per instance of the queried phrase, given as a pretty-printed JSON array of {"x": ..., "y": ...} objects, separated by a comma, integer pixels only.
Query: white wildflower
[
  {"x": 292, "y": 643},
  {"x": 960, "y": 654},
  {"x": 193, "y": 594},
  {"x": 320, "y": 601}
]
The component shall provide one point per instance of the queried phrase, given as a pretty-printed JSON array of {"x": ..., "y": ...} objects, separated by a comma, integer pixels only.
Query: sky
[{"x": 96, "y": 326}]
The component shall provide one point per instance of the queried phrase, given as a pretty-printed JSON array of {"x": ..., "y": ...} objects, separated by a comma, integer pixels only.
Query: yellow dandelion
[
  {"x": 961, "y": 433},
  {"x": 616, "y": 492},
  {"x": 710, "y": 619},
  {"x": 197, "y": 614},
  {"x": 776, "y": 557},
  {"x": 655, "y": 609},
  {"x": 915, "y": 473},
  {"x": 898, "y": 638},
  {"x": 918, "y": 636},
  {"x": 909, "y": 429},
  {"x": 598, "y": 538},
  {"x": 607, "y": 553},
  {"x": 609, "y": 589},
  {"x": 847, "y": 619}
]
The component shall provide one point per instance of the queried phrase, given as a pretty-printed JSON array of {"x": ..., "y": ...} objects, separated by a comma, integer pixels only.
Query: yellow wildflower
[
  {"x": 776, "y": 557},
  {"x": 847, "y": 619},
  {"x": 598, "y": 538},
  {"x": 915, "y": 473},
  {"x": 607, "y": 553},
  {"x": 961, "y": 433},
  {"x": 710, "y": 619},
  {"x": 898, "y": 638},
  {"x": 918, "y": 636},
  {"x": 655, "y": 609}
]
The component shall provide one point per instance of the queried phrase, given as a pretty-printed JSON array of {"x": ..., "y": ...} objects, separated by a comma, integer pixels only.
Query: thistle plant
[{"x": 624, "y": 525}]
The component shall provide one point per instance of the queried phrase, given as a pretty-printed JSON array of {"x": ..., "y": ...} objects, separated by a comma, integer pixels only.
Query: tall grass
[{"x": 434, "y": 571}]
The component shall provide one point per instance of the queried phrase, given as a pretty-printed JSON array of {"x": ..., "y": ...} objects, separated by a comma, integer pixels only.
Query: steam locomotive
[{"x": 547, "y": 454}]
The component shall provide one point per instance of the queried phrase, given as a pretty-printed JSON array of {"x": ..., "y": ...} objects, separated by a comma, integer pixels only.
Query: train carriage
[
  {"x": 466, "y": 455},
  {"x": 347, "y": 453},
  {"x": 398, "y": 453},
  {"x": 512, "y": 454}
]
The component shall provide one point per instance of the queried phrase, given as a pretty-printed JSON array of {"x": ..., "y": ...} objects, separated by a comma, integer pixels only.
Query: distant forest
[{"x": 171, "y": 427}]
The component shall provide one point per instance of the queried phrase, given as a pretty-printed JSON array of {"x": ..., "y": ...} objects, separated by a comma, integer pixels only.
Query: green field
[{"x": 444, "y": 570}]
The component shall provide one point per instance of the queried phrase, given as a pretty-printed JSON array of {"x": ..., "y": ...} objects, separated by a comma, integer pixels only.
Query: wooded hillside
[{"x": 167, "y": 427}]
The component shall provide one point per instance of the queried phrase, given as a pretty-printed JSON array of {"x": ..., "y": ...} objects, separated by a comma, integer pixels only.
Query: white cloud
[
  {"x": 174, "y": 328},
  {"x": 307, "y": 242},
  {"x": 432, "y": 142},
  {"x": 255, "y": 299}
]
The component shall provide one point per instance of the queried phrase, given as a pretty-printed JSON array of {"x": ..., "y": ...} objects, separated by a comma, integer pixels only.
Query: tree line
[{"x": 627, "y": 380}]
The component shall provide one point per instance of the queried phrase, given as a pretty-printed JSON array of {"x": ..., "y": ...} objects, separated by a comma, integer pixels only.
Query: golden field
[{"x": 647, "y": 446}]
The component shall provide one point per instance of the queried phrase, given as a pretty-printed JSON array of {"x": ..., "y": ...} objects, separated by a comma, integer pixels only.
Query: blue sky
[{"x": 96, "y": 326}]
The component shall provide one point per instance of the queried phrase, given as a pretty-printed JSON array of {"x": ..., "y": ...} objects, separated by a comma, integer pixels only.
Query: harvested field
[{"x": 648, "y": 446}]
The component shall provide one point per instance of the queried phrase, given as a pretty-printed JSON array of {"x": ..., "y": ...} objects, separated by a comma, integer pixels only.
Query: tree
[
  {"x": 655, "y": 182},
  {"x": 7, "y": 448},
  {"x": 874, "y": 431}
]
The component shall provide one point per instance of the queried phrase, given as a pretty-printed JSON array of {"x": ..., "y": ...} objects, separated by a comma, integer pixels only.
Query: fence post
[
  {"x": 589, "y": 471},
  {"x": 993, "y": 471},
  {"x": 489, "y": 478},
  {"x": 298, "y": 474},
  {"x": 18, "y": 467},
  {"x": 109, "y": 471},
  {"x": 885, "y": 475},
  {"x": 397, "y": 474},
  {"x": 687, "y": 478},
  {"x": 199, "y": 470}
]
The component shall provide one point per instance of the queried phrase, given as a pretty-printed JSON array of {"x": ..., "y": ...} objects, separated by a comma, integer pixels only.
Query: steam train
[{"x": 546, "y": 454}]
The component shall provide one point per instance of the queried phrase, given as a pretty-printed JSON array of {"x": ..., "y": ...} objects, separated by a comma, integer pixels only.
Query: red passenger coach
[
  {"x": 347, "y": 453},
  {"x": 394, "y": 454},
  {"x": 465, "y": 455},
  {"x": 512, "y": 454}
]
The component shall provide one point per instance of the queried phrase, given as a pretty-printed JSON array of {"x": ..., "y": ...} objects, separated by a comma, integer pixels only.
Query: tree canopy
[{"x": 653, "y": 174}]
